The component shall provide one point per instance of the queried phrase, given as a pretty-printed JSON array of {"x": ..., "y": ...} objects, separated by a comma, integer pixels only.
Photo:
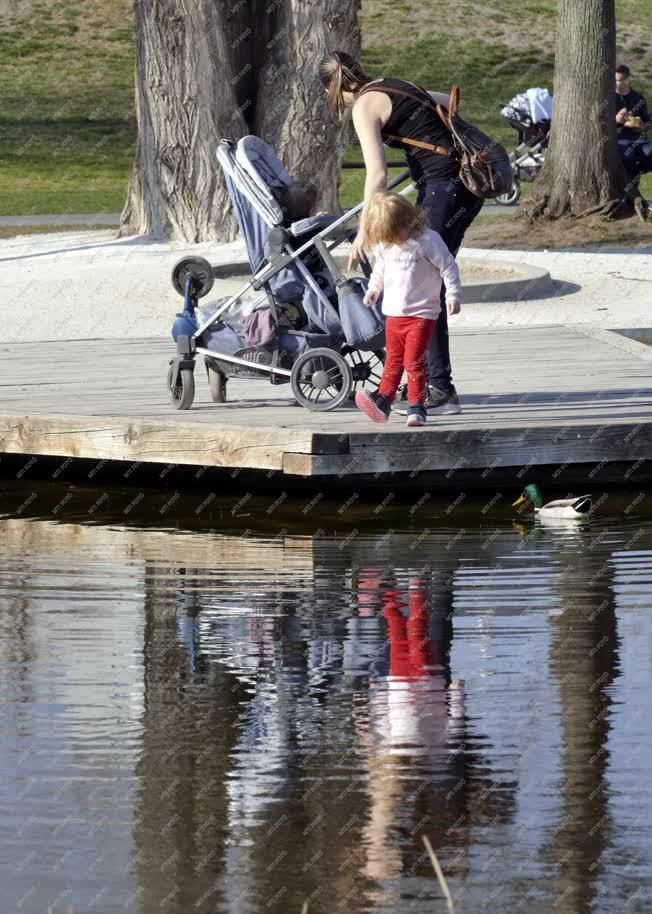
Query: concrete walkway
[{"x": 90, "y": 285}]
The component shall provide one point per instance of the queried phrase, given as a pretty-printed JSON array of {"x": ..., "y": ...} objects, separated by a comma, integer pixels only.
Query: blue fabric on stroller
[
  {"x": 253, "y": 155},
  {"x": 298, "y": 283}
]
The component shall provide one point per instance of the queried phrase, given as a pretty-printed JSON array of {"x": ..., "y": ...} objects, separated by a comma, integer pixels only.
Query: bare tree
[
  {"x": 583, "y": 172},
  {"x": 210, "y": 69}
]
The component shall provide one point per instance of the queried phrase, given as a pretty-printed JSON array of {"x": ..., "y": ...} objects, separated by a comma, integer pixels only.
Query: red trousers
[{"x": 406, "y": 341}]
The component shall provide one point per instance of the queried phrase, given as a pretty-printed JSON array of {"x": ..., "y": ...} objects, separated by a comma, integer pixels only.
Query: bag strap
[
  {"x": 440, "y": 150},
  {"x": 441, "y": 111}
]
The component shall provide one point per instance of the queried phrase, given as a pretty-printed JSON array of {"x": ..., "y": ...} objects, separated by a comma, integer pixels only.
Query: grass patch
[{"x": 67, "y": 121}]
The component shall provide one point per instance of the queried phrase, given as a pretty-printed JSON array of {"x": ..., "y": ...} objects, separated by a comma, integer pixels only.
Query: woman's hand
[
  {"x": 357, "y": 251},
  {"x": 370, "y": 298}
]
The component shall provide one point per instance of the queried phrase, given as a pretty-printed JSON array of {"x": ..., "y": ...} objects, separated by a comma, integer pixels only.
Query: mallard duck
[{"x": 570, "y": 508}]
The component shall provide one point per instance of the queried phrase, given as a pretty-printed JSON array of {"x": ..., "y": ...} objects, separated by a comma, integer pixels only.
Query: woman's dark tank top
[{"x": 417, "y": 122}]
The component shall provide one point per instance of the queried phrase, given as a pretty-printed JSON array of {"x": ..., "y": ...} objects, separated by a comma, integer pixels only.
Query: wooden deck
[{"x": 531, "y": 396}]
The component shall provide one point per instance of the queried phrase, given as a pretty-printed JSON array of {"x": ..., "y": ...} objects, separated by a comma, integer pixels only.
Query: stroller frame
[{"x": 194, "y": 276}]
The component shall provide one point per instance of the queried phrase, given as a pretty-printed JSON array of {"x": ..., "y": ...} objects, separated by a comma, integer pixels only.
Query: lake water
[{"x": 198, "y": 717}]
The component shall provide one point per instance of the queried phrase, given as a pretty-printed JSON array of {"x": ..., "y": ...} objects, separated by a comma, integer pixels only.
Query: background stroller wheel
[
  {"x": 216, "y": 383},
  {"x": 321, "y": 379},
  {"x": 366, "y": 367},
  {"x": 200, "y": 270},
  {"x": 513, "y": 196},
  {"x": 183, "y": 393}
]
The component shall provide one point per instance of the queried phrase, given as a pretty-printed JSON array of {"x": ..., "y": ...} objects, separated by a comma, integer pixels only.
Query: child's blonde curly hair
[{"x": 390, "y": 219}]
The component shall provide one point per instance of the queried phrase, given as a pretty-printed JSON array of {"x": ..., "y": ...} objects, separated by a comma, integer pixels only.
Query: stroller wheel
[
  {"x": 366, "y": 368},
  {"x": 321, "y": 379},
  {"x": 183, "y": 392},
  {"x": 513, "y": 195},
  {"x": 201, "y": 272},
  {"x": 216, "y": 383}
]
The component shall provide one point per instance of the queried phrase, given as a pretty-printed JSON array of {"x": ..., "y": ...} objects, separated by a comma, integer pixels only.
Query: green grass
[{"x": 67, "y": 123}]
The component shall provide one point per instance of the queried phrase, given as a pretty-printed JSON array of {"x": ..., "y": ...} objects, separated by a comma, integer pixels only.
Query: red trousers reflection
[
  {"x": 411, "y": 652},
  {"x": 406, "y": 341}
]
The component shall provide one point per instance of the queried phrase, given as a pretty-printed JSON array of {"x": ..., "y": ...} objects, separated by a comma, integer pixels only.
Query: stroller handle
[
  {"x": 350, "y": 213},
  {"x": 404, "y": 175}
]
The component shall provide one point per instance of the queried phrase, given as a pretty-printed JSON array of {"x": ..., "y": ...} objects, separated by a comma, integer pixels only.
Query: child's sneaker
[
  {"x": 374, "y": 405},
  {"x": 416, "y": 415}
]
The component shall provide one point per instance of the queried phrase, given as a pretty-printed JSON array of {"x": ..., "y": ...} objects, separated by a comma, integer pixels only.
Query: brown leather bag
[{"x": 484, "y": 164}]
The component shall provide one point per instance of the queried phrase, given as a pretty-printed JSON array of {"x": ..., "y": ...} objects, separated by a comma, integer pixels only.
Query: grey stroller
[
  {"x": 530, "y": 114},
  {"x": 298, "y": 319}
]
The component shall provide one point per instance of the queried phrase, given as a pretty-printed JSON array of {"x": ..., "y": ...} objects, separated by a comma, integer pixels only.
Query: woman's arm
[{"x": 368, "y": 125}]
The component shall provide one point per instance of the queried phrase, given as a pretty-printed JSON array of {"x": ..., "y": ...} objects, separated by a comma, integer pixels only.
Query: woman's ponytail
[{"x": 340, "y": 73}]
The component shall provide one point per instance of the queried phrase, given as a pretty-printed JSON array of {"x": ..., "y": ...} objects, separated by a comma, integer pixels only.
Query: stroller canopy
[
  {"x": 254, "y": 176},
  {"x": 535, "y": 103}
]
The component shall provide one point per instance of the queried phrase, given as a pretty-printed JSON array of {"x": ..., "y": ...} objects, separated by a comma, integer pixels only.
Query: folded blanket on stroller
[{"x": 260, "y": 328}]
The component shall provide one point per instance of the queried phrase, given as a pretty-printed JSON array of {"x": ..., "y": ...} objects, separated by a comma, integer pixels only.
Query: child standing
[{"x": 411, "y": 261}]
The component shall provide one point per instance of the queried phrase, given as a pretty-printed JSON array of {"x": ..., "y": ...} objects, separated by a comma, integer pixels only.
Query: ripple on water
[{"x": 216, "y": 723}]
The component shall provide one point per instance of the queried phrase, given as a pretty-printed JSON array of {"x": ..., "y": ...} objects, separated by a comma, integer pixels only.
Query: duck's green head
[{"x": 530, "y": 493}]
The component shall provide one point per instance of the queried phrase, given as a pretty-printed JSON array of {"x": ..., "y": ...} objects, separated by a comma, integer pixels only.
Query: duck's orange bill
[{"x": 519, "y": 501}]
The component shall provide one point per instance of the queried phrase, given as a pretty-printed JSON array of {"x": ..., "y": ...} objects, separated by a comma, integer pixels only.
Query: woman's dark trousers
[{"x": 451, "y": 209}]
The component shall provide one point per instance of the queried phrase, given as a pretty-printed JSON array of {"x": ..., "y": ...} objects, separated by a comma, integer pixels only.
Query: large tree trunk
[
  {"x": 208, "y": 69},
  {"x": 583, "y": 171}
]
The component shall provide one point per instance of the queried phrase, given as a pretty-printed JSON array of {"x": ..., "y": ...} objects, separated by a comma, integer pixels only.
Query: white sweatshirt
[{"x": 410, "y": 275}]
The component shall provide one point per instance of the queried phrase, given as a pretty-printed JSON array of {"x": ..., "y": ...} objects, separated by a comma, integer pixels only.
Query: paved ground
[{"x": 88, "y": 284}]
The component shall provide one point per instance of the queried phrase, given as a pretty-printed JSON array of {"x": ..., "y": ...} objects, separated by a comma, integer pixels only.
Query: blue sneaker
[{"x": 416, "y": 415}]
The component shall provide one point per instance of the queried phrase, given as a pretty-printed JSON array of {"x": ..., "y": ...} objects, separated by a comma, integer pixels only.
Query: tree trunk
[
  {"x": 206, "y": 70},
  {"x": 583, "y": 170}
]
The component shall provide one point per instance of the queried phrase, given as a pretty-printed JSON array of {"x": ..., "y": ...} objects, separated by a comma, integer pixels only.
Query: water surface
[{"x": 226, "y": 721}]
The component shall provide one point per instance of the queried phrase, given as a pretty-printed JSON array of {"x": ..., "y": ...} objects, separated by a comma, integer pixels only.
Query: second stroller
[{"x": 530, "y": 114}]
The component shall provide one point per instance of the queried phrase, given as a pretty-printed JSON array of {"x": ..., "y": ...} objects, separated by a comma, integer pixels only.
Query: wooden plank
[
  {"x": 419, "y": 451},
  {"x": 544, "y": 394},
  {"x": 148, "y": 442}
]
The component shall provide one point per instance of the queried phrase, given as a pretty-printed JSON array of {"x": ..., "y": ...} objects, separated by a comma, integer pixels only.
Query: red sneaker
[{"x": 374, "y": 405}]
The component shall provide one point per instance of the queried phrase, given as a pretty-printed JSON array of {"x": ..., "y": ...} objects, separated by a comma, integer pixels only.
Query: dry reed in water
[{"x": 441, "y": 879}]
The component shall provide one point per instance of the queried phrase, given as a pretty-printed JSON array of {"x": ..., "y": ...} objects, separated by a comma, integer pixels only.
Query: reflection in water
[
  {"x": 269, "y": 721},
  {"x": 585, "y": 630}
]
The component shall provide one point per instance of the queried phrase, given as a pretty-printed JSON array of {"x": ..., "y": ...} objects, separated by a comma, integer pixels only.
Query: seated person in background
[
  {"x": 631, "y": 117},
  {"x": 630, "y": 104}
]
